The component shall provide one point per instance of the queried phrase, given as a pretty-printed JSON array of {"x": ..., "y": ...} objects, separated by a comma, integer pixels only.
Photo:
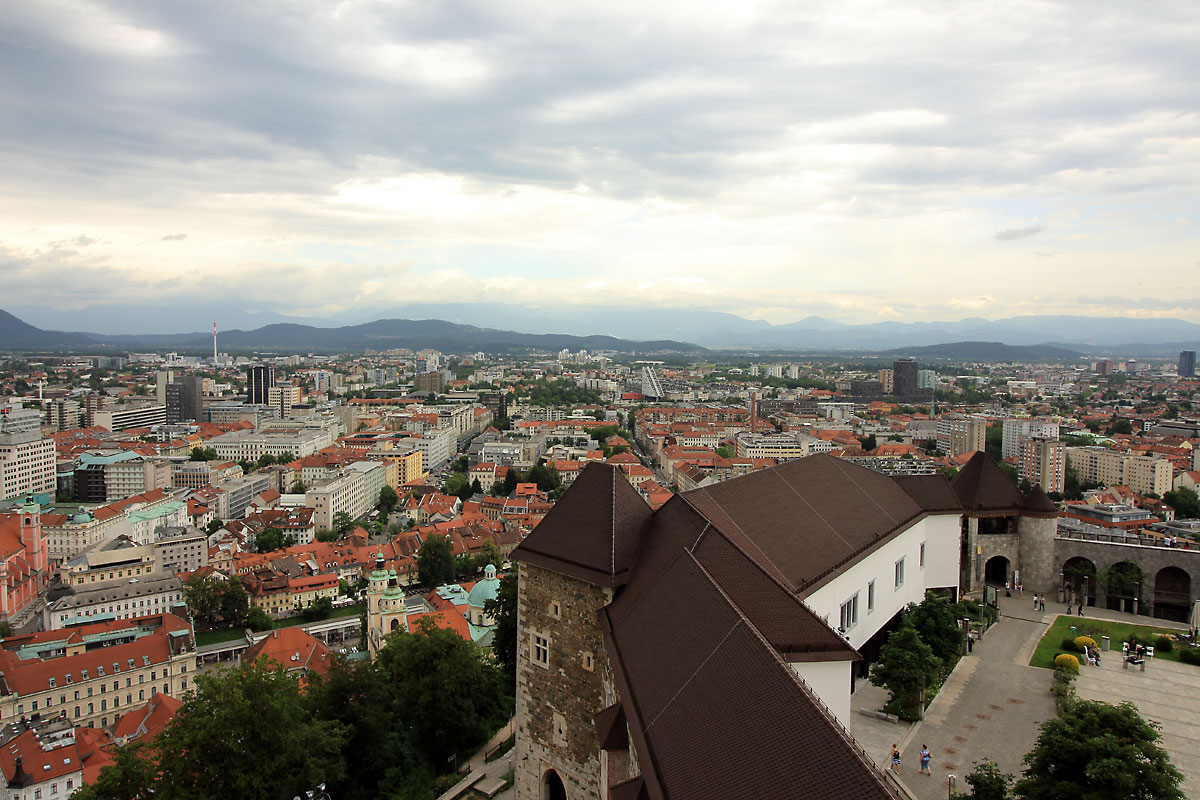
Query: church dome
[{"x": 484, "y": 590}]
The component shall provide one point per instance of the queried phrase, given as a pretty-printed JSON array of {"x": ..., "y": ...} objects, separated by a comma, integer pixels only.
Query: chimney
[{"x": 274, "y": 634}]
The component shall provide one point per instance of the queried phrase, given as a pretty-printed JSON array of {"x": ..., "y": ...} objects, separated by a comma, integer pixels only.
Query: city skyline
[{"x": 868, "y": 164}]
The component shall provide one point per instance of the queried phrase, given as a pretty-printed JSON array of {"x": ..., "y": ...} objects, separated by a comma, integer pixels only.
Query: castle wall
[{"x": 556, "y": 702}]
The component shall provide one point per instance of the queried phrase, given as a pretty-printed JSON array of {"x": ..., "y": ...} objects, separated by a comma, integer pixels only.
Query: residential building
[
  {"x": 293, "y": 648},
  {"x": 1016, "y": 430},
  {"x": 957, "y": 435},
  {"x": 241, "y": 492},
  {"x": 1142, "y": 474},
  {"x": 252, "y": 445},
  {"x": 41, "y": 759},
  {"x": 1043, "y": 462},
  {"x": 26, "y": 459},
  {"x": 283, "y": 396},
  {"x": 94, "y": 671},
  {"x": 122, "y": 598},
  {"x": 129, "y": 415},
  {"x": 349, "y": 492}
]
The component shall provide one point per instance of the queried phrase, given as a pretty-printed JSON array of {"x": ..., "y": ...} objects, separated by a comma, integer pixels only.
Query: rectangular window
[
  {"x": 922, "y": 555},
  {"x": 540, "y": 654},
  {"x": 849, "y": 613},
  {"x": 899, "y": 573},
  {"x": 870, "y": 597}
]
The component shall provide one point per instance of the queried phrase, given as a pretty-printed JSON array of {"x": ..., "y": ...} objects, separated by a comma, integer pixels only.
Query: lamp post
[
  {"x": 315, "y": 794},
  {"x": 950, "y": 781}
]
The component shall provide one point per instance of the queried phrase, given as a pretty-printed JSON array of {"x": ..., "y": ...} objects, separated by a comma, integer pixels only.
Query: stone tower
[
  {"x": 569, "y": 569},
  {"x": 385, "y": 606}
]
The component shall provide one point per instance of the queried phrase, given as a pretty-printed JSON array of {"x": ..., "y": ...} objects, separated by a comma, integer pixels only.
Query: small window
[
  {"x": 589, "y": 663},
  {"x": 870, "y": 597},
  {"x": 922, "y": 555},
  {"x": 540, "y": 654},
  {"x": 555, "y": 610},
  {"x": 100, "y": 670},
  {"x": 69, "y": 679},
  {"x": 899, "y": 573},
  {"x": 53, "y": 684}
]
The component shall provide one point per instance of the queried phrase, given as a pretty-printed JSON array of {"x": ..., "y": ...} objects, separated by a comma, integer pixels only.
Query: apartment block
[
  {"x": 1142, "y": 474},
  {"x": 131, "y": 415},
  {"x": 1043, "y": 462},
  {"x": 26, "y": 459},
  {"x": 957, "y": 435}
]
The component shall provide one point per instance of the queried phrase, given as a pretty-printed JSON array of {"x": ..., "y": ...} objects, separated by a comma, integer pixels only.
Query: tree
[
  {"x": 1101, "y": 752},
  {"x": 388, "y": 499},
  {"x": 458, "y": 485},
  {"x": 935, "y": 623},
  {"x": 476, "y": 487},
  {"x": 6, "y": 629},
  {"x": 453, "y": 697},
  {"x": 868, "y": 443},
  {"x": 488, "y": 554},
  {"x": 1121, "y": 426},
  {"x": 203, "y": 454},
  {"x": 1185, "y": 502},
  {"x": 343, "y": 523},
  {"x": 235, "y": 602},
  {"x": 906, "y": 666},
  {"x": 202, "y": 594},
  {"x": 214, "y": 526},
  {"x": 268, "y": 540},
  {"x": 994, "y": 441},
  {"x": 504, "y": 635},
  {"x": 546, "y": 478},
  {"x": 320, "y": 608},
  {"x": 987, "y": 782},
  {"x": 326, "y": 536},
  {"x": 511, "y": 479},
  {"x": 725, "y": 451},
  {"x": 252, "y": 711},
  {"x": 435, "y": 561},
  {"x": 259, "y": 620},
  {"x": 131, "y": 775},
  {"x": 298, "y": 487}
]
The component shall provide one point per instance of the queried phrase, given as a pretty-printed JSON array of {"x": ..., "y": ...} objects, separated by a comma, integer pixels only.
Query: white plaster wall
[
  {"x": 830, "y": 681},
  {"x": 940, "y": 535}
]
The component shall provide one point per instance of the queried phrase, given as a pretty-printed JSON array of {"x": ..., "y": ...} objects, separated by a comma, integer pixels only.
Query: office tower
[
  {"x": 1187, "y": 364},
  {"x": 26, "y": 459},
  {"x": 259, "y": 380},
  {"x": 904, "y": 377}
]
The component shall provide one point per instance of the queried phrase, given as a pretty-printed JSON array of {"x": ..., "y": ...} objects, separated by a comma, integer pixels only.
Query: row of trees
[
  {"x": 919, "y": 654},
  {"x": 382, "y": 729},
  {"x": 437, "y": 564}
]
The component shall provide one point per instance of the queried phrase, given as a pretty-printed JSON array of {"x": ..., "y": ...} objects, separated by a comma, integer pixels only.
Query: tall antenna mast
[{"x": 214, "y": 344}]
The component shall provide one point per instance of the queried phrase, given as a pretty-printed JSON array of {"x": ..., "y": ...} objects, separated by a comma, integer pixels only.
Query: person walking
[
  {"x": 1035, "y": 601},
  {"x": 895, "y": 758},
  {"x": 1042, "y": 603},
  {"x": 970, "y": 641},
  {"x": 925, "y": 757}
]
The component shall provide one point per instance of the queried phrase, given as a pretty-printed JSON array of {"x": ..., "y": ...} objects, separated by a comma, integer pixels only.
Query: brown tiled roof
[
  {"x": 675, "y": 680},
  {"x": 803, "y": 518},
  {"x": 932, "y": 492},
  {"x": 593, "y": 532},
  {"x": 1038, "y": 504},
  {"x": 982, "y": 487}
]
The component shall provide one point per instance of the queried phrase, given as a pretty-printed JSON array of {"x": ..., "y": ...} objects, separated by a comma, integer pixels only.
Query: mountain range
[
  {"x": 383, "y": 334},
  {"x": 493, "y": 326}
]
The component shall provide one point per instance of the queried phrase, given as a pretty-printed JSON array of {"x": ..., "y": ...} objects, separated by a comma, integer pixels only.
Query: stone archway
[
  {"x": 1123, "y": 583},
  {"x": 1173, "y": 594},
  {"x": 1079, "y": 581},
  {"x": 552, "y": 786},
  {"x": 996, "y": 571}
]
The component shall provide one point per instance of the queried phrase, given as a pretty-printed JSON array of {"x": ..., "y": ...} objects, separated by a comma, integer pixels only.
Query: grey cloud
[
  {"x": 1010, "y": 234},
  {"x": 174, "y": 237}
]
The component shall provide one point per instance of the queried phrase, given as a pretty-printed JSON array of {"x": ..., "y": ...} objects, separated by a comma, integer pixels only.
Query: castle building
[{"x": 708, "y": 649}]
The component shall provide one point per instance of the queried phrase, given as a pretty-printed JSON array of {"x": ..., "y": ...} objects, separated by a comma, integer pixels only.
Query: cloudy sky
[{"x": 875, "y": 161}]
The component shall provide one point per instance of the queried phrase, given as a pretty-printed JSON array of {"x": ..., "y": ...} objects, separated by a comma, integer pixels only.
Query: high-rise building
[
  {"x": 26, "y": 459},
  {"x": 904, "y": 377},
  {"x": 958, "y": 434},
  {"x": 1187, "y": 363},
  {"x": 1104, "y": 366},
  {"x": 185, "y": 399},
  {"x": 1043, "y": 462},
  {"x": 283, "y": 396},
  {"x": 259, "y": 380}
]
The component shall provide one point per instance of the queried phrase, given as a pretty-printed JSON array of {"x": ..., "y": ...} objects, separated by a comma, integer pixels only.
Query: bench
[{"x": 490, "y": 786}]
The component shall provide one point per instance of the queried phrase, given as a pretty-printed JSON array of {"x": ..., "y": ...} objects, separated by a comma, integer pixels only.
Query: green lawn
[
  {"x": 1051, "y": 644},
  {"x": 224, "y": 635},
  {"x": 229, "y": 634}
]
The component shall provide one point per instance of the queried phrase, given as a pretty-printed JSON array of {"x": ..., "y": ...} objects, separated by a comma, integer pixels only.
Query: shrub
[
  {"x": 1190, "y": 655},
  {"x": 1067, "y": 663},
  {"x": 1163, "y": 644},
  {"x": 1084, "y": 641},
  {"x": 1069, "y": 645}
]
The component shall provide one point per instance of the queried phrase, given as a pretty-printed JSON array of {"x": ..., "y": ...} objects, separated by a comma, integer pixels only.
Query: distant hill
[
  {"x": 16, "y": 334},
  {"x": 987, "y": 351},
  {"x": 381, "y": 334}
]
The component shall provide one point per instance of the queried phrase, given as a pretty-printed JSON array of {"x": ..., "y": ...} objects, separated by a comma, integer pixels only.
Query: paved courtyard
[
  {"x": 1167, "y": 693},
  {"x": 994, "y": 703}
]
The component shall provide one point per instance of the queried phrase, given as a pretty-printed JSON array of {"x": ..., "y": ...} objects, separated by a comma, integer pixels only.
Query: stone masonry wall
[{"x": 555, "y": 706}]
